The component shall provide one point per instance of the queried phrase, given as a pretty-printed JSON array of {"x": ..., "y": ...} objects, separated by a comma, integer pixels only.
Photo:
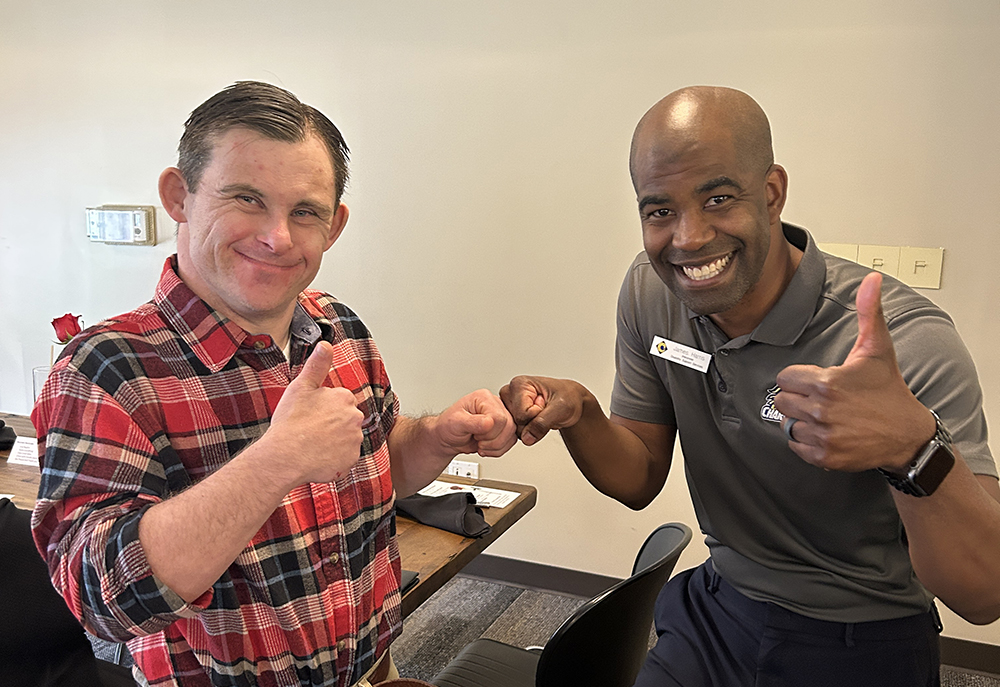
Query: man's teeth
[{"x": 706, "y": 271}]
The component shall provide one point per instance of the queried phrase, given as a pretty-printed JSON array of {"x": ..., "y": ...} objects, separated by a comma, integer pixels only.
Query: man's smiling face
[
  {"x": 705, "y": 222},
  {"x": 255, "y": 229}
]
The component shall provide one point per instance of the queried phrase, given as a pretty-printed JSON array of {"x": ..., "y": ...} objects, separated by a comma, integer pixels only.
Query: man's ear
[
  {"x": 337, "y": 225},
  {"x": 173, "y": 193},
  {"x": 776, "y": 188}
]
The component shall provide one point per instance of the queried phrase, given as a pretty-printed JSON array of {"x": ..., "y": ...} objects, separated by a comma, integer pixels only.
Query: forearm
[
  {"x": 192, "y": 538},
  {"x": 954, "y": 542},
  {"x": 419, "y": 450},
  {"x": 625, "y": 460},
  {"x": 416, "y": 454}
]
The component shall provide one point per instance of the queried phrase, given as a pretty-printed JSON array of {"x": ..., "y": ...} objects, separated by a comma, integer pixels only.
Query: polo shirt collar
[{"x": 790, "y": 316}]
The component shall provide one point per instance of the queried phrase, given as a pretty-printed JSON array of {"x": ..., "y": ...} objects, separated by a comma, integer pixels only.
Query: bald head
[{"x": 704, "y": 114}]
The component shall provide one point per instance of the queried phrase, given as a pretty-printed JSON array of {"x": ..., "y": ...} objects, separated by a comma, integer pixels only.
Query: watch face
[{"x": 929, "y": 474}]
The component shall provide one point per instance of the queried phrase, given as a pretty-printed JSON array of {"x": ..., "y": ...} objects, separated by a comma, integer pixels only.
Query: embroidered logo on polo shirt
[{"x": 768, "y": 411}]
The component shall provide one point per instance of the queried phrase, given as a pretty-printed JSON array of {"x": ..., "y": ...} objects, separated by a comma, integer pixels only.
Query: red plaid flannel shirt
[{"x": 141, "y": 407}]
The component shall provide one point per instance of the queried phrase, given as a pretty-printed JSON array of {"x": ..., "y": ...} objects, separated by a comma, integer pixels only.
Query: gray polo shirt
[{"x": 828, "y": 545}]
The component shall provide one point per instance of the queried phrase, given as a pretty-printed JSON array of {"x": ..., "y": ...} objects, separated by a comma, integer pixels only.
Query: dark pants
[{"x": 711, "y": 635}]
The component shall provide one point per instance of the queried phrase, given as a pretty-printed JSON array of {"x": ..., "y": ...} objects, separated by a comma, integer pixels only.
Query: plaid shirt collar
[{"x": 214, "y": 338}]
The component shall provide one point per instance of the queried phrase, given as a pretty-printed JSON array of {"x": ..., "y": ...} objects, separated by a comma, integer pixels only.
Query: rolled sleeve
[{"x": 100, "y": 472}]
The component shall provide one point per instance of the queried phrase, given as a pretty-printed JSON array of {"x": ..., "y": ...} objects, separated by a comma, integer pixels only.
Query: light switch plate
[
  {"x": 847, "y": 251},
  {"x": 885, "y": 259},
  {"x": 921, "y": 267}
]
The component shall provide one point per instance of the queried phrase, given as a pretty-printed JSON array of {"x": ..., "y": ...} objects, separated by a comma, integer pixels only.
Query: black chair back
[
  {"x": 604, "y": 643},
  {"x": 661, "y": 542},
  {"x": 41, "y": 643}
]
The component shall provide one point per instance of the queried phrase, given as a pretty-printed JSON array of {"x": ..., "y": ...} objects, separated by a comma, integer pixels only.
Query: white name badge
[{"x": 680, "y": 354}]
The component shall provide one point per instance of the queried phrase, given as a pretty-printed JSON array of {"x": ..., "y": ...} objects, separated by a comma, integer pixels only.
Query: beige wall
[{"x": 492, "y": 217}]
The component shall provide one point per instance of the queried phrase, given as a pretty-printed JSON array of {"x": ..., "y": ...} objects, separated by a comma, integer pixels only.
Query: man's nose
[
  {"x": 692, "y": 231},
  {"x": 277, "y": 235}
]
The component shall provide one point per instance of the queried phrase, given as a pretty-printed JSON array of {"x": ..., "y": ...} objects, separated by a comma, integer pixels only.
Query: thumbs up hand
[
  {"x": 858, "y": 415},
  {"x": 316, "y": 427}
]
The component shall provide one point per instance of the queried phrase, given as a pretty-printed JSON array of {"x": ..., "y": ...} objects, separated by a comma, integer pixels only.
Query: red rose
[{"x": 66, "y": 327}]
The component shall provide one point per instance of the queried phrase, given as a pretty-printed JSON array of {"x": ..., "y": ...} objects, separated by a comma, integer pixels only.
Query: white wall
[{"x": 492, "y": 217}]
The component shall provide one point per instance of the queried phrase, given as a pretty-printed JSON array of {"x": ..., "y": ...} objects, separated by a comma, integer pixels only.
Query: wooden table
[
  {"x": 435, "y": 554},
  {"x": 19, "y": 480}
]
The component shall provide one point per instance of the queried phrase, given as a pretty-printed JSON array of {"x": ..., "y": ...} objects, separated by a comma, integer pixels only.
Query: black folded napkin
[
  {"x": 456, "y": 512},
  {"x": 7, "y": 437}
]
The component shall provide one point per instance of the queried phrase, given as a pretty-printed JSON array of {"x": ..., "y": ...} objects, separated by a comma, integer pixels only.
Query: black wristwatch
[{"x": 928, "y": 468}]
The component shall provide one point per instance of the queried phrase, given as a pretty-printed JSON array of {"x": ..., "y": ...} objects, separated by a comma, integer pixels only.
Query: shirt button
[
  {"x": 724, "y": 352},
  {"x": 722, "y": 387},
  {"x": 259, "y": 345},
  {"x": 334, "y": 557},
  {"x": 341, "y": 644}
]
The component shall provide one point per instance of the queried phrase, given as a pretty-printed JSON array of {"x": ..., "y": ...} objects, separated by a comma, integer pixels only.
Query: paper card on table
[
  {"x": 24, "y": 452},
  {"x": 486, "y": 497}
]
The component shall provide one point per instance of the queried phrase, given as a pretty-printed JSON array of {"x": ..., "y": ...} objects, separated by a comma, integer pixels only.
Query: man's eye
[
  {"x": 304, "y": 213},
  {"x": 247, "y": 199},
  {"x": 660, "y": 213},
  {"x": 717, "y": 200}
]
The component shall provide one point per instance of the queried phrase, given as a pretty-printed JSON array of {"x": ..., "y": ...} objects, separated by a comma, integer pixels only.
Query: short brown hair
[{"x": 266, "y": 109}]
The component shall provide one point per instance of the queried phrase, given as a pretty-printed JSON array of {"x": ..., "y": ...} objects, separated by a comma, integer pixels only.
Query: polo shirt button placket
[{"x": 721, "y": 385}]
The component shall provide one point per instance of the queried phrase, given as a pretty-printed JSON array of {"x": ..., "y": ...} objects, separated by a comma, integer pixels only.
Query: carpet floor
[{"x": 468, "y": 608}]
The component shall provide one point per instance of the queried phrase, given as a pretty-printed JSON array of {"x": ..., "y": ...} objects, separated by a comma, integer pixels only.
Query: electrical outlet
[{"x": 462, "y": 468}]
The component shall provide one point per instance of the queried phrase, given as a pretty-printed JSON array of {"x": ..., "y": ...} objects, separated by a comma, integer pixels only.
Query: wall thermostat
[{"x": 130, "y": 225}]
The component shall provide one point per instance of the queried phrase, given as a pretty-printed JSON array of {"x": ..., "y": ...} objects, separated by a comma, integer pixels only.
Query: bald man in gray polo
[
  {"x": 831, "y": 424},
  {"x": 778, "y": 528}
]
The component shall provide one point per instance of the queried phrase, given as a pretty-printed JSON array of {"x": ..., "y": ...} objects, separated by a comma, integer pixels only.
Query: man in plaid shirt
[{"x": 219, "y": 466}]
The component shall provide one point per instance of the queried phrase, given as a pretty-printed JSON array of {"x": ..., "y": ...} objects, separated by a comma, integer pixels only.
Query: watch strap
[
  {"x": 901, "y": 483},
  {"x": 905, "y": 482}
]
